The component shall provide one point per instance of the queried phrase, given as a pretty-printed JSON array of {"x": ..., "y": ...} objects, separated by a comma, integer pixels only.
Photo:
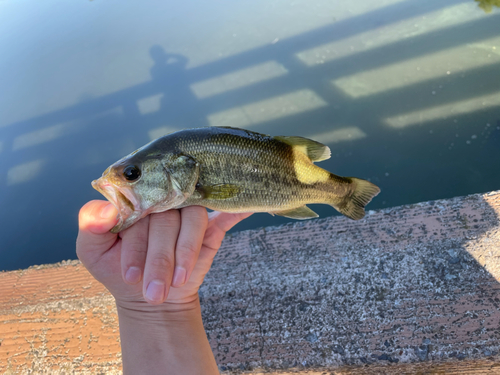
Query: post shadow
[{"x": 109, "y": 133}]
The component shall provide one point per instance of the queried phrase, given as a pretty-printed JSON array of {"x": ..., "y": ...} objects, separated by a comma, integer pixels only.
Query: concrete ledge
[{"x": 410, "y": 289}]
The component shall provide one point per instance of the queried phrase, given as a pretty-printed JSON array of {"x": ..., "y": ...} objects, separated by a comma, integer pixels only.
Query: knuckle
[
  {"x": 170, "y": 216},
  {"x": 211, "y": 249},
  {"x": 201, "y": 221},
  {"x": 196, "y": 215},
  {"x": 138, "y": 248},
  {"x": 140, "y": 236},
  {"x": 165, "y": 220},
  {"x": 138, "y": 244},
  {"x": 162, "y": 262},
  {"x": 188, "y": 249}
]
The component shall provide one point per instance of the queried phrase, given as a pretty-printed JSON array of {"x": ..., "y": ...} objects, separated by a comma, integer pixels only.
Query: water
[{"x": 406, "y": 94}]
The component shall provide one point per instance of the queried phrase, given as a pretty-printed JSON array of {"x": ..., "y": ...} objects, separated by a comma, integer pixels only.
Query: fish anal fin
[
  {"x": 314, "y": 150},
  {"x": 299, "y": 213},
  {"x": 219, "y": 191}
]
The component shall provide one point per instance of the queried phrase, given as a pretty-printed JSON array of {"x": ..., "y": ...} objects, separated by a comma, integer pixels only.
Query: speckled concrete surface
[
  {"x": 408, "y": 284},
  {"x": 412, "y": 289}
]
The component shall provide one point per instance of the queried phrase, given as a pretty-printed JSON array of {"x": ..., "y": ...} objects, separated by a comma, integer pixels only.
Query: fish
[{"x": 230, "y": 170}]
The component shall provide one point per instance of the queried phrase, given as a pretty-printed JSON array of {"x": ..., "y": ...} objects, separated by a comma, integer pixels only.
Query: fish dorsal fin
[
  {"x": 314, "y": 150},
  {"x": 300, "y": 213}
]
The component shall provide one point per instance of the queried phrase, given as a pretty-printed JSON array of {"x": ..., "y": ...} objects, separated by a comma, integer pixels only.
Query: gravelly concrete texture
[{"x": 409, "y": 289}]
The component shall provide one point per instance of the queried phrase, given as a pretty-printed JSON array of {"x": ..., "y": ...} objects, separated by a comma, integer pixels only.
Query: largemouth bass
[{"x": 229, "y": 170}]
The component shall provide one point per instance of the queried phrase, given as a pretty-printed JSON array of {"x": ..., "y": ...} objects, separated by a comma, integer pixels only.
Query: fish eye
[{"x": 131, "y": 173}]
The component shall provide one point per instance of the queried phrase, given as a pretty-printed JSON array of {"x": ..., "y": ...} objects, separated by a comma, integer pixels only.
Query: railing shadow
[{"x": 70, "y": 147}]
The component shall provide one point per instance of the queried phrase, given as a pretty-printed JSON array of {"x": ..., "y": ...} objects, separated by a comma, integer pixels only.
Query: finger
[
  {"x": 194, "y": 220},
  {"x": 218, "y": 224},
  {"x": 163, "y": 231},
  {"x": 134, "y": 250},
  {"x": 95, "y": 220}
]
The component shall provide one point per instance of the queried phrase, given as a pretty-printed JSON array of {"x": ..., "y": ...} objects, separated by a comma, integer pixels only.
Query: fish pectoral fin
[
  {"x": 220, "y": 191},
  {"x": 300, "y": 213},
  {"x": 314, "y": 150}
]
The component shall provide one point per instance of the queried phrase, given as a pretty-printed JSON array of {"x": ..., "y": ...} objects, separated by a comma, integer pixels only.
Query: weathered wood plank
[{"x": 412, "y": 289}]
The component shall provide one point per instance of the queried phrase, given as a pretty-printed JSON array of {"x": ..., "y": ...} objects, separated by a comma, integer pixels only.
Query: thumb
[{"x": 95, "y": 220}]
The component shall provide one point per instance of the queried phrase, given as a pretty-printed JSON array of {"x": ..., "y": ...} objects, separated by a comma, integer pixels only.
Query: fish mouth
[{"x": 127, "y": 205}]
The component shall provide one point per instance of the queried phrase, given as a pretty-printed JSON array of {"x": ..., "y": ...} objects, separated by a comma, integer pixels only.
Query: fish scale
[
  {"x": 230, "y": 170},
  {"x": 262, "y": 167}
]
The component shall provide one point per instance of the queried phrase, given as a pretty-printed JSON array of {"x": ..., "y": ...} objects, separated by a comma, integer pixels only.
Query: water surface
[{"x": 406, "y": 94}]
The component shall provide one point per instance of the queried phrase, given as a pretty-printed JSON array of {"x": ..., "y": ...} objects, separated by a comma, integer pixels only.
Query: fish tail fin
[{"x": 361, "y": 193}]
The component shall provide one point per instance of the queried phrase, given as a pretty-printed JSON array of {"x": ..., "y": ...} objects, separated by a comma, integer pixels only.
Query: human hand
[{"x": 164, "y": 257}]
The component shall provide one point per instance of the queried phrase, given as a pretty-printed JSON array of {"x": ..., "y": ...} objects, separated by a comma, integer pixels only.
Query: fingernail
[
  {"x": 179, "y": 276},
  {"x": 133, "y": 275},
  {"x": 155, "y": 291},
  {"x": 108, "y": 211}
]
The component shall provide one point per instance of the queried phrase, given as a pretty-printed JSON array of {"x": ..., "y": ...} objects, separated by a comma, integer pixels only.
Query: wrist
[
  {"x": 167, "y": 336},
  {"x": 142, "y": 311}
]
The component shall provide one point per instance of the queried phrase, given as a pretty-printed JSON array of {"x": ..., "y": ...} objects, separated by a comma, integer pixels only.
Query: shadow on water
[
  {"x": 52, "y": 158},
  {"x": 178, "y": 105}
]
